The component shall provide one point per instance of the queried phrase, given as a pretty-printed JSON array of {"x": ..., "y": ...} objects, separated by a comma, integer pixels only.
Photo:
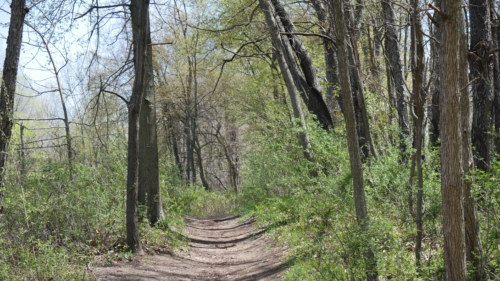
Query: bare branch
[
  {"x": 159, "y": 44},
  {"x": 436, "y": 9},
  {"x": 433, "y": 20},
  {"x": 313, "y": 35},
  {"x": 100, "y": 7},
  {"x": 41, "y": 119},
  {"x": 118, "y": 95}
]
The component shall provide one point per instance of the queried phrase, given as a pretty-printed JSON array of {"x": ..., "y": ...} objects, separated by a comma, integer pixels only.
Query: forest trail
[{"x": 222, "y": 248}]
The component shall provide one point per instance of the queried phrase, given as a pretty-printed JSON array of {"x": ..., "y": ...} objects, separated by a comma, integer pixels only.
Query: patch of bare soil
[{"x": 221, "y": 248}]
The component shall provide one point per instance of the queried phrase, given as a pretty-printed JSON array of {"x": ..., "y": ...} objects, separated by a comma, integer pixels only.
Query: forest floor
[{"x": 221, "y": 248}]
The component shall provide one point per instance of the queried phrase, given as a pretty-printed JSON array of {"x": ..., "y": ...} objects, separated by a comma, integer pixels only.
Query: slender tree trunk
[
  {"x": 436, "y": 89},
  {"x": 352, "y": 137},
  {"x": 419, "y": 97},
  {"x": 481, "y": 68},
  {"x": 204, "y": 180},
  {"x": 283, "y": 53},
  {"x": 482, "y": 95},
  {"x": 371, "y": 58},
  {"x": 394, "y": 56},
  {"x": 22, "y": 153},
  {"x": 496, "y": 76},
  {"x": 172, "y": 136},
  {"x": 452, "y": 175},
  {"x": 474, "y": 249},
  {"x": 18, "y": 11},
  {"x": 140, "y": 19},
  {"x": 60, "y": 90}
]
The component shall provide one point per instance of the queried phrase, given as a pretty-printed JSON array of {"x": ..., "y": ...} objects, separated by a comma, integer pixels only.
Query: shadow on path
[{"x": 221, "y": 248}]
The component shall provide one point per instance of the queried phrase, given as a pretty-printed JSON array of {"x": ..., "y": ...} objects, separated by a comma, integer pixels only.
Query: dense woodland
[{"x": 363, "y": 135}]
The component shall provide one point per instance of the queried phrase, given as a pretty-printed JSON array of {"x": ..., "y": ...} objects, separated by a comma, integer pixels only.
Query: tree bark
[
  {"x": 140, "y": 20},
  {"x": 436, "y": 89},
  {"x": 352, "y": 136},
  {"x": 419, "y": 97},
  {"x": 284, "y": 53},
  {"x": 473, "y": 245},
  {"x": 204, "y": 180},
  {"x": 330, "y": 54},
  {"x": 311, "y": 93},
  {"x": 496, "y": 76},
  {"x": 22, "y": 153},
  {"x": 18, "y": 11},
  {"x": 452, "y": 175},
  {"x": 394, "y": 57},
  {"x": 481, "y": 68},
  {"x": 149, "y": 172}
]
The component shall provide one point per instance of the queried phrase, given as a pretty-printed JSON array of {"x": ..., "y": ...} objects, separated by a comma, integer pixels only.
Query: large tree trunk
[
  {"x": 452, "y": 175},
  {"x": 284, "y": 55},
  {"x": 394, "y": 57},
  {"x": 481, "y": 68},
  {"x": 18, "y": 11},
  {"x": 149, "y": 173},
  {"x": 311, "y": 93},
  {"x": 140, "y": 21},
  {"x": 352, "y": 136}
]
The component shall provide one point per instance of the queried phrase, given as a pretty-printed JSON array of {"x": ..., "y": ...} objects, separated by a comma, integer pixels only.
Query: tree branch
[
  {"x": 100, "y": 7},
  {"x": 313, "y": 35},
  {"x": 118, "y": 95}
]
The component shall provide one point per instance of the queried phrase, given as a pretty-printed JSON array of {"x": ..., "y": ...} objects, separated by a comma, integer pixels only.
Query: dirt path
[{"x": 221, "y": 248}]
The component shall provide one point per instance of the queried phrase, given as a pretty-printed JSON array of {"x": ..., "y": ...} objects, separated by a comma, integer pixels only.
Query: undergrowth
[
  {"x": 315, "y": 217},
  {"x": 53, "y": 228}
]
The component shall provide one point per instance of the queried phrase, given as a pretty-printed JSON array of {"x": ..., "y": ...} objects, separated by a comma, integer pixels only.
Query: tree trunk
[
  {"x": 496, "y": 76},
  {"x": 204, "y": 180},
  {"x": 311, "y": 93},
  {"x": 140, "y": 21},
  {"x": 18, "y": 11},
  {"x": 473, "y": 245},
  {"x": 436, "y": 88},
  {"x": 330, "y": 54},
  {"x": 352, "y": 136},
  {"x": 394, "y": 56},
  {"x": 149, "y": 174},
  {"x": 419, "y": 97},
  {"x": 175, "y": 146},
  {"x": 452, "y": 175},
  {"x": 284, "y": 53},
  {"x": 353, "y": 22},
  {"x": 22, "y": 153},
  {"x": 481, "y": 68}
]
